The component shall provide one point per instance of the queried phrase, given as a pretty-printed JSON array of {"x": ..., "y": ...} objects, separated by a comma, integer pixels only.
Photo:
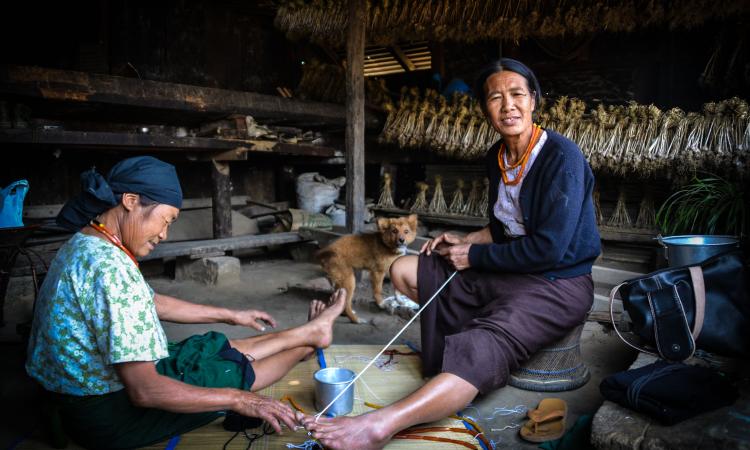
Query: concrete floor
[{"x": 264, "y": 285}]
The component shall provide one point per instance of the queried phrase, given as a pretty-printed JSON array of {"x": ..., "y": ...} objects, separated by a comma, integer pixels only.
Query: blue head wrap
[{"x": 143, "y": 175}]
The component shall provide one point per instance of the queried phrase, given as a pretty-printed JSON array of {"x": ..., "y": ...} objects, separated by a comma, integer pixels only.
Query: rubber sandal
[{"x": 546, "y": 422}]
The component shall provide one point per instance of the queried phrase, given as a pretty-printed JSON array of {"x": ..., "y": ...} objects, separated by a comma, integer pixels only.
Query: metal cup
[{"x": 329, "y": 382}]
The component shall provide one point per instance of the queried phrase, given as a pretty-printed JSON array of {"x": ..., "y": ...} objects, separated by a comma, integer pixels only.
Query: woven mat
[{"x": 381, "y": 384}]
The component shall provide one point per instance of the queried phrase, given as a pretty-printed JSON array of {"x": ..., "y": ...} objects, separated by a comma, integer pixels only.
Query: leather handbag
[{"x": 680, "y": 309}]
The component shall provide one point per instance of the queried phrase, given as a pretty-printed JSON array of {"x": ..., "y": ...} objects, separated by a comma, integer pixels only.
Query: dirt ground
[{"x": 267, "y": 283}]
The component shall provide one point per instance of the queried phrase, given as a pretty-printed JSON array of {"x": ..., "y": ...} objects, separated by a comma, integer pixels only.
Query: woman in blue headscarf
[{"x": 97, "y": 345}]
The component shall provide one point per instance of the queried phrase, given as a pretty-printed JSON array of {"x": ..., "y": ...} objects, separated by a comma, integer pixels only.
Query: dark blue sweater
[{"x": 562, "y": 240}]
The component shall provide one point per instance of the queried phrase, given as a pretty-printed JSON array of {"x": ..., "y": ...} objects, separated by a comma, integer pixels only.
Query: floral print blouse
[{"x": 94, "y": 310}]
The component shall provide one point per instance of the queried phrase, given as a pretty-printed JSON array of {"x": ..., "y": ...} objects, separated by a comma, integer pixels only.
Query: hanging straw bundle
[
  {"x": 481, "y": 209},
  {"x": 597, "y": 206},
  {"x": 620, "y": 217},
  {"x": 473, "y": 200},
  {"x": 420, "y": 202},
  {"x": 457, "y": 202},
  {"x": 386, "y": 194},
  {"x": 616, "y": 139},
  {"x": 646, "y": 213},
  {"x": 437, "y": 204},
  {"x": 390, "y": 21}
]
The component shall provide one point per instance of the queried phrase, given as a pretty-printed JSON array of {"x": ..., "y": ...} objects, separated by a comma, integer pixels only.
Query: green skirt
[{"x": 110, "y": 421}]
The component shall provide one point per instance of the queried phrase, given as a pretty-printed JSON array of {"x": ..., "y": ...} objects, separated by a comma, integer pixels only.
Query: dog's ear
[
  {"x": 383, "y": 223},
  {"x": 412, "y": 221}
]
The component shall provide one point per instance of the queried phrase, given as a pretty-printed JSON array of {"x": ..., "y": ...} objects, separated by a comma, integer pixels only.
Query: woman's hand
[
  {"x": 272, "y": 411},
  {"x": 445, "y": 240},
  {"x": 457, "y": 255},
  {"x": 252, "y": 318}
]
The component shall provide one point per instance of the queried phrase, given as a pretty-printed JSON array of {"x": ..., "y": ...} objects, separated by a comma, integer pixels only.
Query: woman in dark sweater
[{"x": 523, "y": 282}]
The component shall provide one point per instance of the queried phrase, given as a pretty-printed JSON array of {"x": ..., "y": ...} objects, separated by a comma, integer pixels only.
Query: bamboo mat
[
  {"x": 386, "y": 385},
  {"x": 381, "y": 384}
]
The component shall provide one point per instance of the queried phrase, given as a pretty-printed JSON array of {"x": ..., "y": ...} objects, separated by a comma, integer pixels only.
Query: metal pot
[
  {"x": 329, "y": 383},
  {"x": 692, "y": 249}
]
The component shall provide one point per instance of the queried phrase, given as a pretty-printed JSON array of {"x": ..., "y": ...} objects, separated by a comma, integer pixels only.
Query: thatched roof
[{"x": 472, "y": 20}]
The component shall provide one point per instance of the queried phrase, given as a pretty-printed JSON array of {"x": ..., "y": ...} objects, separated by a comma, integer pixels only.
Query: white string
[
  {"x": 519, "y": 409},
  {"x": 504, "y": 428},
  {"x": 317, "y": 416}
]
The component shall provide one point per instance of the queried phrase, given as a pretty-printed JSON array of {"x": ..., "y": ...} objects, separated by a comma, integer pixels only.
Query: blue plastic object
[{"x": 11, "y": 204}]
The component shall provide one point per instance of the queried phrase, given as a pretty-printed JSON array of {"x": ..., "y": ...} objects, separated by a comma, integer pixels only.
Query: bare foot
[
  {"x": 322, "y": 324},
  {"x": 365, "y": 432},
  {"x": 316, "y": 307}
]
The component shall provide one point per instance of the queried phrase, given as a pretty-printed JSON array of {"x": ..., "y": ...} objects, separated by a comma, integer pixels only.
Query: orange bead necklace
[
  {"x": 98, "y": 226},
  {"x": 535, "y": 134}
]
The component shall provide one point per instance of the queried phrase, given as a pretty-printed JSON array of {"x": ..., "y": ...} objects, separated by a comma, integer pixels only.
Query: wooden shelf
[
  {"x": 198, "y": 249},
  {"x": 629, "y": 235},
  {"x": 464, "y": 221},
  {"x": 222, "y": 149},
  {"x": 89, "y": 94}
]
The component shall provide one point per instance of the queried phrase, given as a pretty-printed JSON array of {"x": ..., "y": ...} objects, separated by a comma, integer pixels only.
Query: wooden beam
[
  {"x": 403, "y": 59},
  {"x": 212, "y": 246},
  {"x": 355, "y": 117},
  {"x": 141, "y": 142},
  {"x": 52, "y": 210},
  {"x": 89, "y": 88},
  {"x": 221, "y": 196}
]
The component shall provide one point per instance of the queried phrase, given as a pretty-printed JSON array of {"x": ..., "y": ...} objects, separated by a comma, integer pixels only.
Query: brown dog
[{"x": 372, "y": 251}]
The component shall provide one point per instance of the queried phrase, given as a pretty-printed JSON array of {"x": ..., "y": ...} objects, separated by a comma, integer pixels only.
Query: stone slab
[{"x": 218, "y": 270}]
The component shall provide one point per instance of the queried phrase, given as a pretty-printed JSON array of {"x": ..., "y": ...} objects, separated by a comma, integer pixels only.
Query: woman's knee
[{"x": 403, "y": 273}]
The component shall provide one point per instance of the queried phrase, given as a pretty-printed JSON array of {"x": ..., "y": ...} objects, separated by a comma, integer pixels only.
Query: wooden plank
[
  {"x": 463, "y": 221},
  {"x": 50, "y": 211},
  {"x": 204, "y": 247},
  {"x": 140, "y": 142},
  {"x": 355, "y": 117},
  {"x": 90, "y": 88},
  {"x": 221, "y": 197},
  {"x": 403, "y": 59},
  {"x": 632, "y": 235}
]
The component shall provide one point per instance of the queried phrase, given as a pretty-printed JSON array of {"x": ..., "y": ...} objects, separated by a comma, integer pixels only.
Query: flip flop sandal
[{"x": 547, "y": 421}]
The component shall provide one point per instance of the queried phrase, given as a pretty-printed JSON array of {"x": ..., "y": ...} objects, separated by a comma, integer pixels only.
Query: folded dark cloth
[{"x": 669, "y": 393}]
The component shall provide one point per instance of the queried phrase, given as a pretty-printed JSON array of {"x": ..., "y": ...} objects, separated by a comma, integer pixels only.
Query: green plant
[{"x": 709, "y": 205}]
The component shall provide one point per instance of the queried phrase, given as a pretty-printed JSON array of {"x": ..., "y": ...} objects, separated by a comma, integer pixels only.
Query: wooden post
[
  {"x": 221, "y": 195},
  {"x": 355, "y": 117}
]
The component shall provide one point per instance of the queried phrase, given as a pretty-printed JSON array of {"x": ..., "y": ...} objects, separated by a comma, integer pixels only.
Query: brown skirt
[{"x": 484, "y": 325}]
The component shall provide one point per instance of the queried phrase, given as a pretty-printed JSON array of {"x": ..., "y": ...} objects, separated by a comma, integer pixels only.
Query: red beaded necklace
[
  {"x": 521, "y": 162},
  {"x": 98, "y": 226}
]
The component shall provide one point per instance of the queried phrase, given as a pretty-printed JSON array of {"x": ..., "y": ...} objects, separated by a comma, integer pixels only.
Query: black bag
[{"x": 679, "y": 309}]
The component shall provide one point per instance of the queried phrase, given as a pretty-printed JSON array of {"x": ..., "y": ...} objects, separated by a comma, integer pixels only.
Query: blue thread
[
  {"x": 412, "y": 347},
  {"x": 321, "y": 358},
  {"x": 172, "y": 444}
]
